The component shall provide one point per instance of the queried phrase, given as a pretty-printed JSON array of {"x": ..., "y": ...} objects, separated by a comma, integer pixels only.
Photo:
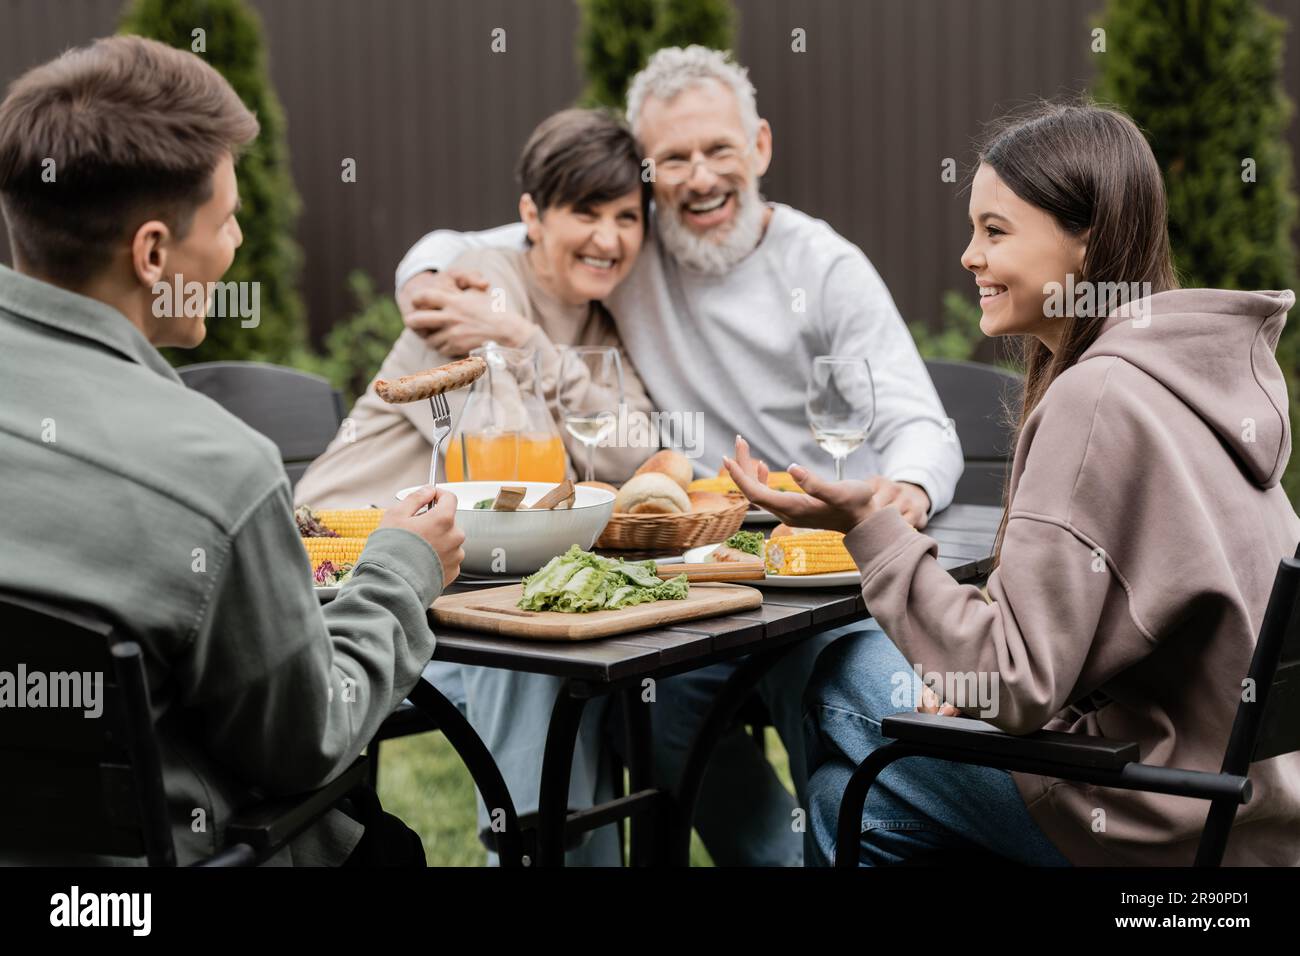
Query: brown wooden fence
[{"x": 411, "y": 90}]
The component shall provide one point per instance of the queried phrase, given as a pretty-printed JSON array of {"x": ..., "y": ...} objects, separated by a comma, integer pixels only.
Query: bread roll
[
  {"x": 650, "y": 494},
  {"x": 603, "y": 486},
  {"x": 709, "y": 501},
  {"x": 671, "y": 463}
]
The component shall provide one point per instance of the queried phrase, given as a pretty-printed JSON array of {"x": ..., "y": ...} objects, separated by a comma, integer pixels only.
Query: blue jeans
[
  {"x": 744, "y": 815},
  {"x": 446, "y": 676},
  {"x": 917, "y": 805},
  {"x": 511, "y": 712}
]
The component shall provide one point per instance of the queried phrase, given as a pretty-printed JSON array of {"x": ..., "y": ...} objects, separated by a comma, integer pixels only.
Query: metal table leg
[
  {"x": 646, "y": 850},
  {"x": 478, "y": 760},
  {"x": 721, "y": 715},
  {"x": 557, "y": 765}
]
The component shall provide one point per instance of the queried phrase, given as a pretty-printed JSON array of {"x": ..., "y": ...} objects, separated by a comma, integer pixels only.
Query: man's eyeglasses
[{"x": 723, "y": 161}]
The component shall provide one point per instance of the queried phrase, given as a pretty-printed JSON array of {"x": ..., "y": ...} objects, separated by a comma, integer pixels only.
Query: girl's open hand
[
  {"x": 834, "y": 505},
  {"x": 750, "y": 465}
]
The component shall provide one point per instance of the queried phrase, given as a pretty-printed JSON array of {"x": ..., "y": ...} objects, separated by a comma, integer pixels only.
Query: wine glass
[
  {"x": 841, "y": 405},
  {"x": 589, "y": 392}
]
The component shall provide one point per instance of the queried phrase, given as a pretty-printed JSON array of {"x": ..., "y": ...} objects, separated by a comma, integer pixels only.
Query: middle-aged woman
[
  {"x": 585, "y": 207},
  {"x": 1143, "y": 529}
]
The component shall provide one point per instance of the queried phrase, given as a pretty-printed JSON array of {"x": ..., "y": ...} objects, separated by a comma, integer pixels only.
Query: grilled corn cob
[
  {"x": 817, "y": 552},
  {"x": 338, "y": 550},
  {"x": 723, "y": 484},
  {"x": 351, "y": 522}
]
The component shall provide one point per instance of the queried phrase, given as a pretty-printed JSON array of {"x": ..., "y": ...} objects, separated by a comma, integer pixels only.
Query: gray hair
[{"x": 674, "y": 69}]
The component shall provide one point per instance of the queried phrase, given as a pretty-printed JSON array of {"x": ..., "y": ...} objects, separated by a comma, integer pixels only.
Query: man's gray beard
[{"x": 703, "y": 254}]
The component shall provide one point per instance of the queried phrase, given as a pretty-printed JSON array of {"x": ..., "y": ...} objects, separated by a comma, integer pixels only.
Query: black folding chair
[
  {"x": 1264, "y": 727},
  {"x": 299, "y": 412},
  {"x": 93, "y": 785},
  {"x": 975, "y": 396}
]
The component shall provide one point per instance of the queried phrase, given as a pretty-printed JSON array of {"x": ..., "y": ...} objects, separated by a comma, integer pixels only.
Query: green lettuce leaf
[{"x": 579, "y": 581}]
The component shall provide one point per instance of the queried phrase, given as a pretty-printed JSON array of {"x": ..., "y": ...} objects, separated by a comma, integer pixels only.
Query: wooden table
[{"x": 661, "y": 822}]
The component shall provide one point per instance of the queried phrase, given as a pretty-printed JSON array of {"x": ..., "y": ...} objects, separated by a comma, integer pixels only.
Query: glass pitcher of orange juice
[{"x": 506, "y": 432}]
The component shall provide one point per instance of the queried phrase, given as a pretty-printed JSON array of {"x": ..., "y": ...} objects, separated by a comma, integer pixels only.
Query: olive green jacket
[{"x": 125, "y": 493}]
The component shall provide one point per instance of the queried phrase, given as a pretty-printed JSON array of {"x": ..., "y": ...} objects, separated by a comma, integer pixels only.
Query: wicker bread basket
[{"x": 673, "y": 532}]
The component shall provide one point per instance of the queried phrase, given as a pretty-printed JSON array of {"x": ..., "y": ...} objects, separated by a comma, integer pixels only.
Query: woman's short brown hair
[
  {"x": 106, "y": 137},
  {"x": 581, "y": 157}
]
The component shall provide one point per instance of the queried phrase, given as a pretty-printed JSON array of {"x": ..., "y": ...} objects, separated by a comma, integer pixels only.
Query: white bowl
[{"x": 520, "y": 542}]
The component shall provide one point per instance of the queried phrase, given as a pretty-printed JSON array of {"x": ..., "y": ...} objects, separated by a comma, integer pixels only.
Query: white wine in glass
[
  {"x": 839, "y": 443},
  {"x": 841, "y": 405},
  {"x": 589, "y": 429},
  {"x": 589, "y": 393}
]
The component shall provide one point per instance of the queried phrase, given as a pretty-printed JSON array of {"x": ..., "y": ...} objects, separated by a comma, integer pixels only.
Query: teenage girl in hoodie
[{"x": 1143, "y": 527}]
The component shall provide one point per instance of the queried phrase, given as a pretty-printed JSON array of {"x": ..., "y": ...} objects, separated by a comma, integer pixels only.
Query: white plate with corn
[{"x": 798, "y": 559}]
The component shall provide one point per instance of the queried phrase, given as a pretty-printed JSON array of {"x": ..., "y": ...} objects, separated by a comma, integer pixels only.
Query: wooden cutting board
[{"x": 494, "y": 611}]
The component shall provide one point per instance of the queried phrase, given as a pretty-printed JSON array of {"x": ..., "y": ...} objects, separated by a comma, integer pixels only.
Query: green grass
[{"x": 422, "y": 781}]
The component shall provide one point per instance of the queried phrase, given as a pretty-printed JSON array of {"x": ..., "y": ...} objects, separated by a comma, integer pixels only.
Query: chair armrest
[
  {"x": 976, "y": 736},
  {"x": 1110, "y": 763},
  {"x": 268, "y": 826},
  {"x": 407, "y": 719}
]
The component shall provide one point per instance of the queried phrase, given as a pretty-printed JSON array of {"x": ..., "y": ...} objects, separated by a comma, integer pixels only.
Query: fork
[{"x": 441, "y": 429}]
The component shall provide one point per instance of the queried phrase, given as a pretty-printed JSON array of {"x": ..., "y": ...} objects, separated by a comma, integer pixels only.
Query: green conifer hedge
[
  {"x": 1203, "y": 78},
  {"x": 231, "y": 41}
]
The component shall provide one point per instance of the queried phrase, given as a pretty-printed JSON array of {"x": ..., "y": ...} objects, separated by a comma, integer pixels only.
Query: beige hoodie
[{"x": 1146, "y": 524}]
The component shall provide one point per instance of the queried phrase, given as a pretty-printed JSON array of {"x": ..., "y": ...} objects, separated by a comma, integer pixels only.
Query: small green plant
[
  {"x": 959, "y": 337},
  {"x": 356, "y": 347}
]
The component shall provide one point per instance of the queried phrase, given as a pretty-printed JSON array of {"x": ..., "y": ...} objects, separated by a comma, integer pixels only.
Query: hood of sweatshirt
[{"x": 1214, "y": 349}]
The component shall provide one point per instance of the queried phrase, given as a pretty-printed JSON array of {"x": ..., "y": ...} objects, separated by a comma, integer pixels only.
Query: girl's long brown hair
[{"x": 1091, "y": 168}]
